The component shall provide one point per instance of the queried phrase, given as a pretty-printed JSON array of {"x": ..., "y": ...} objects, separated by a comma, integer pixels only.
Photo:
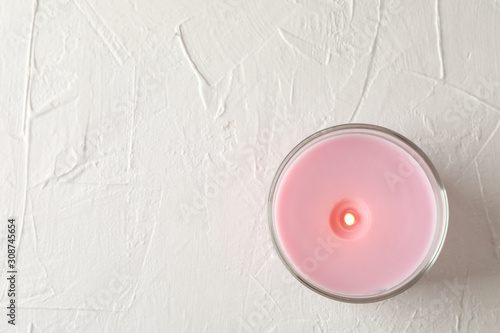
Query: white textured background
[{"x": 139, "y": 139}]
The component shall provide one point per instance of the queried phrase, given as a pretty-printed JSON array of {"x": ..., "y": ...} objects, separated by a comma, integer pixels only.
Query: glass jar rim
[{"x": 441, "y": 199}]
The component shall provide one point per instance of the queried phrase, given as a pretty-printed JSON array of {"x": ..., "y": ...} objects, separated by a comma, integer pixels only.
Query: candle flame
[{"x": 349, "y": 219}]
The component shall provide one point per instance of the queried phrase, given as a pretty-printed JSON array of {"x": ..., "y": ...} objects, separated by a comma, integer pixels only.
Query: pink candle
[{"x": 358, "y": 213}]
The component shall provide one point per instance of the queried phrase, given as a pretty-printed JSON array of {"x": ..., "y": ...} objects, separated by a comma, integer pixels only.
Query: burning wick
[{"x": 349, "y": 219}]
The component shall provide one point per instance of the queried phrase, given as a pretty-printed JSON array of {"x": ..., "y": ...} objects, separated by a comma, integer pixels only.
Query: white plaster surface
[{"x": 139, "y": 139}]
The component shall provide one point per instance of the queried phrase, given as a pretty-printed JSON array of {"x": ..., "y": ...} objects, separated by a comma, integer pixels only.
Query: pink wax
[{"x": 390, "y": 198}]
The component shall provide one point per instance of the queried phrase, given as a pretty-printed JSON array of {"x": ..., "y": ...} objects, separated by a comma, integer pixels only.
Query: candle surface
[{"x": 354, "y": 214}]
